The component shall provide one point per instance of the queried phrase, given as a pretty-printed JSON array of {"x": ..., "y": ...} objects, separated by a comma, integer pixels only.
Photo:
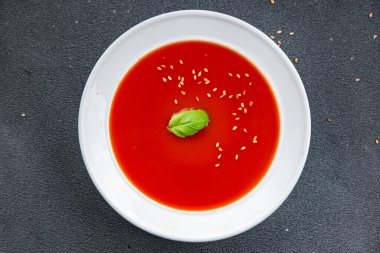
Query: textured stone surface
[{"x": 47, "y": 200}]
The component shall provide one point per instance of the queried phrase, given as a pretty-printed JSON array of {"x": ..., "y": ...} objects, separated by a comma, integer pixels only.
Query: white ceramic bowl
[{"x": 221, "y": 223}]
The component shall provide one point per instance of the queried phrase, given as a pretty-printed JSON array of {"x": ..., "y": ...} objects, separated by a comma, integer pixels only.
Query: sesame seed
[
  {"x": 182, "y": 79},
  {"x": 279, "y": 42},
  {"x": 162, "y": 65},
  {"x": 245, "y": 130},
  {"x": 242, "y": 104},
  {"x": 179, "y": 85},
  {"x": 209, "y": 95},
  {"x": 217, "y": 144},
  {"x": 220, "y": 149},
  {"x": 238, "y": 75},
  {"x": 234, "y": 113},
  {"x": 169, "y": 77},
  {"x": 291, "y": 33},
  {"x": 357, "y": 79},
  {"x": 230, "y": 74},
  {"x": 180, "y": 62},
  {"x": 242, "y": 148},
  {"x": 179, "y": 78},
  {"x": 329, "y": 119},
  {"x": 272, "y": 37},
  {"x": 217, "y": 165},
  {"x": 236, "y": 156},
  {"x": 240, "y": 108},
  {"x": 250, "y": 103},
  {"x": 377, "y": 141},
  {"x": 195, "y": 77},
  {"x": 234, "y": 128},
  {"x": 176, "y": 101},
  {"x": 183, "y": 92},
  {"x": 159, "y": 68},
  {"x": 230, "y": 96},
  {"x": 197, "y": 98},
  {"x": 23, "y": 114},
  {"x": 215, "y": 89},
  {"x": 246, "y": 75},
  {"x": 254, "y": 140},
  {"x": 279, "y": 32},
  {"x": 171, "y": 67},
  {"x": 224, "y": 92},
  {"x": 296, "y": 60},
  {"x": 245, "y": 110},
  {"x": 206, "y": 70},
  {"x": 250, "y": 84},
  {"x": 237, "y": 118},
  {"x": 206, "y": 80},
  {"x": 193, "y": 72},
  {"x": 374, "y": 36},
  {"x": 244, "y": 91},
  {"x": 272, "y": 1},
  {"x": 164, "y": 79},
  {"x": 219, "y": 156},
  {"x": 370, "y": 15},
  {"x": 199, "y": 73}
]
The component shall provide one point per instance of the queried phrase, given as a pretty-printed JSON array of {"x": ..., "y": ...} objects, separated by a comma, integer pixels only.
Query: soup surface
[{"x": 219, "y": 164}]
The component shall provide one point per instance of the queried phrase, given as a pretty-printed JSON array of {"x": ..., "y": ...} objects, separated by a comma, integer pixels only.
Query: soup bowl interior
[{"x": 167, "y": 222}]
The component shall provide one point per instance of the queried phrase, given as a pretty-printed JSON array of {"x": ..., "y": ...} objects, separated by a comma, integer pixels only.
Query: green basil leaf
[{"x": 188, "y": 122}]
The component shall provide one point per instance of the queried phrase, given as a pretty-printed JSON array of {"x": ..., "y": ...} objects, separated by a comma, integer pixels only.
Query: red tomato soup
[{"x": 219, "y": 164}]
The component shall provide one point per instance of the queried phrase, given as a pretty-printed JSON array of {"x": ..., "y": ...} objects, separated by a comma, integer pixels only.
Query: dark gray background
[{"x": 47, "y": 200}]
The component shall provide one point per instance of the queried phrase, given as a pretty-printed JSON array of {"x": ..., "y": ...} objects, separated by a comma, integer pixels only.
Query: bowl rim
[{"x": 294, "y": 73}]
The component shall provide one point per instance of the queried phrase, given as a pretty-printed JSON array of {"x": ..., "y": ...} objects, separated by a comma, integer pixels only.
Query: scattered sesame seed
[
  {"x": 199, "y": 73},
  {"x": 236, "y": 156},
  {"x": 245, "y": 110},
  {"x": 193, "y": 72},
  {"x": 370, "y": 15},
  {"x": 217, "y": 144},
  {"x": 176, "y": 101},
  {"x": 209, "y": 95},
  {"x": 171, "y": 67},
  {"x": 215, "y": 89},
  {"x": 377, "y": 141},
  {"x": 375, "y": 36},
  {"x": 279, "y": 32},
  {"x": 291, "y": 33},
  {"x": 217, "y": 165},
  {"x": 230, "y": 74},
  {"x": 182, "y": 79},
  {"x": 237, "y": 118},
  {"x": 169, "y": 77},
  {"x": 220, "y": 149},
  {"x": 219, "y": 156},
  {"x": 238, "y": 75},
  {"x": 245, "y": 130},
  {"x": 230, "y": 96},
  {"x": 296, "y": 60},
  {"x": 179, "y": 78},
  {"x": 224, "y": 92},
  {"x": 197, "y": 98},
  {"x": 180, "y": 62},
  {"x": 244, "y": 91},
  {"x": 240, "y": 108},
  {"x": 279, "y": 42},
  {"x": 159, "y": 68},
  {"x": 234, "y": 128},
  {"x": 329, "y": 119},
  {"x": 206, "y": 70},
  {"x": 357, "y": 79},
  {"x": 250, "y": 84},
  {"x": 23, "y": 114},
  {"x": 162, "y": 65},
  {"x": 272, "y": 37},
  {"x": 238, "y": 95},
  {"x": 246, "y": 75},
  {"x": 179, "y": 85},
  {"x": 164, "y": 79},
  {"x": 242, "y": 104},
  {"x": 254, "y": 140},
  {"x": 199, "y": 82},
  {"x": 206, "y": 81},
  {"x": 272, "y": 1},
  {"x": 183, "y": 92},
  {"x": 234, "y": 113},
  {"x": 242, "y": 148},
  {"x": 195, "y": 77},
  {"x": 250, "y": 103}
]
